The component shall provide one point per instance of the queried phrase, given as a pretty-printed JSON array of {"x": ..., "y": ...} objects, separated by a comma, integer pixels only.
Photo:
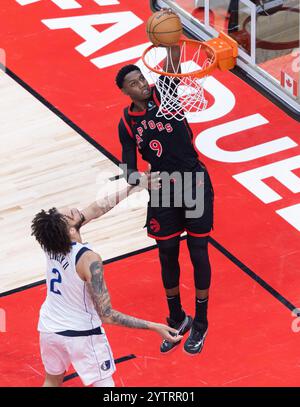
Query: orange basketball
[{"x": 164, "y": 28}]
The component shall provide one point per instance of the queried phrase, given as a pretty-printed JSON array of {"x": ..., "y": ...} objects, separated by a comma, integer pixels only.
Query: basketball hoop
[{"x": 181, "y": 91}]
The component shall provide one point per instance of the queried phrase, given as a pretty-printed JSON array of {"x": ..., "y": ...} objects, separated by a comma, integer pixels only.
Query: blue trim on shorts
[{"x": 89, "y": 332}]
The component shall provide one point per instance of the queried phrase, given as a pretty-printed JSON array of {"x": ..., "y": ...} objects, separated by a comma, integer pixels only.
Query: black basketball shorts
[{"x": 167, "y": 221}]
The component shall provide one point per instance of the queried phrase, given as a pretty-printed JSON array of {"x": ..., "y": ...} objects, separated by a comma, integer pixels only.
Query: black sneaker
[
  {"x": 195, "y": 341},
  {"x": 182, "y": 328}
]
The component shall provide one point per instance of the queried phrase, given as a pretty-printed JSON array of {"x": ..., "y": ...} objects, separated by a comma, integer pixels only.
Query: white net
[{"x": 184, "y": 94}]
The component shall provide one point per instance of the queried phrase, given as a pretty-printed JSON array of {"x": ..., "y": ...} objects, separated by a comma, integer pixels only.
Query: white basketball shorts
[{"x": 91, "y": 356}]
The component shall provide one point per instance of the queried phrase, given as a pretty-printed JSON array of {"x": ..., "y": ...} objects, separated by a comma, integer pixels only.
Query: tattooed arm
[
  {"x": 101, "y": 298},
  {"x": 90, "y": 269},
  {"x": 100, "y": 207}
]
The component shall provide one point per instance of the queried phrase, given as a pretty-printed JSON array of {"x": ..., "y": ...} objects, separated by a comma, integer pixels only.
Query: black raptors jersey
[{"x": 165, "y": 144}]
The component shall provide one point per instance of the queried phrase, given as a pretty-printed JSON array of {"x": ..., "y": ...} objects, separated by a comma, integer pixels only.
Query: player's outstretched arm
[
  {"x": 102, "y": 206},
  {"x": 90, "y": 269}
]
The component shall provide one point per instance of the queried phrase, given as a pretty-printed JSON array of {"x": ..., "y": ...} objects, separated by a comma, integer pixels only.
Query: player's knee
[
  {"x": 169, "y": 258},
  {"x": 198, "y": 248}
]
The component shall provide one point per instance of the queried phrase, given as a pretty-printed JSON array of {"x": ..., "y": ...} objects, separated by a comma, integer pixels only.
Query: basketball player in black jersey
[{"x": 167, "y": 145}]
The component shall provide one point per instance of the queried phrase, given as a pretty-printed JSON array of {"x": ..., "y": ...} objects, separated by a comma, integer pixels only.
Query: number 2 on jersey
[
  {"x": 156, "y": 146},
  {"x": 55, "y": 280}
]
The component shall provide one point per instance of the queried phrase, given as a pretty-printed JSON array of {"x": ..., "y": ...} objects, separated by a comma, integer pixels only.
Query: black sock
[
  {"x": 176, "y": 312},
  {"x": 201, "y": 312}
]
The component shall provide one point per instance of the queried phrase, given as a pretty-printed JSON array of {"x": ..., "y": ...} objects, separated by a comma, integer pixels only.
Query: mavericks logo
[{"x": 105, "y": 365}]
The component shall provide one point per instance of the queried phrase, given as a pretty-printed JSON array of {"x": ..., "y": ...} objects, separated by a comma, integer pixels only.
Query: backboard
[{"x": 268, "y": 34}]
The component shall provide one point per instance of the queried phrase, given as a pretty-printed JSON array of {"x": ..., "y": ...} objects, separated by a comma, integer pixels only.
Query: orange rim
[{"x": 199, "y": 73}]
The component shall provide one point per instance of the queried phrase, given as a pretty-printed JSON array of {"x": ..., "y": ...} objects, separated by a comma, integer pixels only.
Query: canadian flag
[{"x": 288, "y": 83}]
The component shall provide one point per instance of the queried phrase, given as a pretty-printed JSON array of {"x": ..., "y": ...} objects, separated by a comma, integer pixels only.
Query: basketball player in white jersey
[{"x": 78, "y": 301}]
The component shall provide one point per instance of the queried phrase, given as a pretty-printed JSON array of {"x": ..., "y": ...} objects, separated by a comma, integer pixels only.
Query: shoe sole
[
  {"x": 199, "y": 351},
  {"x": 171, "y": 350},
  {"x": 176, "y": 345}
]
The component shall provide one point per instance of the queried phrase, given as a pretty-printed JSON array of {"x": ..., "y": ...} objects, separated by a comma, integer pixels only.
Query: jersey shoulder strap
[{"x": 78, "y": 249}]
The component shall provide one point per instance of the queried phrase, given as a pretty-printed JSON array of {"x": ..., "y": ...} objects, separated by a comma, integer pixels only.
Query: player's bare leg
[
  {"x": 202, "y": 294},
  {"x": 53, "y": 380},
  {"x": 172, "y": 291}
]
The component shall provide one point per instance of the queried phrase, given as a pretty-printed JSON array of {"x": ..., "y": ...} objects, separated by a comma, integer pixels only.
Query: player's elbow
[
  {"x": 106, "y": 320},
  {"x": 106, "y": 315}
]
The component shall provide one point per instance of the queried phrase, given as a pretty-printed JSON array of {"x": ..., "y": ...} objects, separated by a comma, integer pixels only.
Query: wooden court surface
[{"x": 45, "y": 163}]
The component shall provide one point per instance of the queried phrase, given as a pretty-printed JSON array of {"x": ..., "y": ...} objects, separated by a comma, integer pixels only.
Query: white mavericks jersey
[{"x": 68, "y": 305}]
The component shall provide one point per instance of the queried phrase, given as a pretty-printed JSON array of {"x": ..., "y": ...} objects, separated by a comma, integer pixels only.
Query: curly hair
[
  {"x": 51, "y": 230},
  {"x": 123, "y": 72}
]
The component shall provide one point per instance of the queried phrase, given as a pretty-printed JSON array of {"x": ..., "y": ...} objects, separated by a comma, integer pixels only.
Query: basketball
[{"x": 164, "y": 28}]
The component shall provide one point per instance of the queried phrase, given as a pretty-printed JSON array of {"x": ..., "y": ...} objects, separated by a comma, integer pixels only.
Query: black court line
[
  {"x": 60, "y": 115},
  {"x": 253, "y": 275},
  {"x": 108, "y": 261},
  {"x": 217, "y": 245},
  {"x": 119, "y": 360},
  {"x": 22, "y": 288}
]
